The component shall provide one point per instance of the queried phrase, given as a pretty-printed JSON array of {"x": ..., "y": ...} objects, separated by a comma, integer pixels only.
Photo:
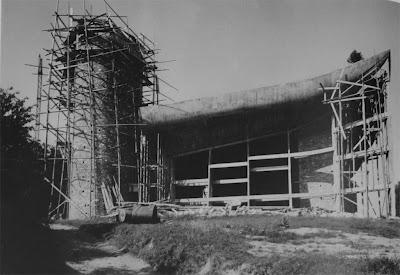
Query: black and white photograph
[{"x": 154, "y": 137}]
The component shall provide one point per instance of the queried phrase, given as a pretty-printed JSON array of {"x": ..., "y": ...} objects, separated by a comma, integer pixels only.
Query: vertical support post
[
  {"x": 139, "y": 165},
  {"x": 382, "y": 141},
  {"x": 117, "y": 131},
  {"x": 172, "y": 183},
  {"x": 53, "y": 173},
  {"x": 393, "y": 210},
  {"x": 38, "y": 98},
  {"x": 157, "y": 90},
  {"x": 366, "y": 195},
  {"x": 248, "y": 171},
  {"x": 146, "y": 170},
  {"x": 335, "y": 164},
  {"x": 158, "y": 184},
  {"x": 61, "y": 187},
  {"x": 341, "y": 150},
  {"x": 289, "y": 171},
  {"x": 38, "y": 108},
  {"x": 210, "y": 191}
]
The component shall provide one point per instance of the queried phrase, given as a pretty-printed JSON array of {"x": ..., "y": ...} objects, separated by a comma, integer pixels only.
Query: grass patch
[
  {"x": 314, "y": 263},
  {"x": 282, "y": 236},
  {"x": 182, "y": 248},
  {"x": 381, "y": 265},
  {"x": 188, "y": 245},
  {"x": 219, "y": 244},
  {"x": 260, "y": 224}
]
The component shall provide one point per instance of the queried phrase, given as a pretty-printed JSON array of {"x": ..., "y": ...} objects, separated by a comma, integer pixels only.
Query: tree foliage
[
  {"x": 355, "y": 57},
  {"x": 24, "y": 195},
  {"x": 21, "y": 173}
]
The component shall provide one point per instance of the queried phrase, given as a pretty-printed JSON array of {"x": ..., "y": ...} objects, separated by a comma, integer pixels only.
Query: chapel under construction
[{"x": 322, "y": 142}]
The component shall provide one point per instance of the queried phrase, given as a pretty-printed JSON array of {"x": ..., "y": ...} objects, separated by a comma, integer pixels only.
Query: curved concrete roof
[{"x": 256, "y": 99}]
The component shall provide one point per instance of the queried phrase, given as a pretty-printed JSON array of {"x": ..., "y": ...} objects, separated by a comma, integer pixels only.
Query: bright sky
[{"x": 224, "y": 45}]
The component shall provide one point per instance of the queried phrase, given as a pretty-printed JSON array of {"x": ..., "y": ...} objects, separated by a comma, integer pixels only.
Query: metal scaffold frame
[
  {"x": 360, "y": 142},
  {"x": 84, "y": 102}
]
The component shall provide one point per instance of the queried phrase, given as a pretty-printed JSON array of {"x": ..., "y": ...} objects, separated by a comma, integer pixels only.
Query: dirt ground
[{"x": 88, "y": 254}]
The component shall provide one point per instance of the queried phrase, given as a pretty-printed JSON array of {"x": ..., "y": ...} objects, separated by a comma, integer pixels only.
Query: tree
[
  {"x": 354, "y": 57},
  {"x": 24, "y": 195},
  {"x": 22, "y": 187}
]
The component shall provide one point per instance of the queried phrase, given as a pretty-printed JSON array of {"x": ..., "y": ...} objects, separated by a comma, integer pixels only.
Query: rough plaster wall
[
  {"x": 315, "y": 172},
  {"x": 80, "y": 179},
  {"x": 82, "y": 192}
]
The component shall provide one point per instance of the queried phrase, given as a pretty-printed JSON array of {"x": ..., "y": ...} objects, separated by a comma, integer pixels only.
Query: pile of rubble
[{"x": 170, "y": 211}]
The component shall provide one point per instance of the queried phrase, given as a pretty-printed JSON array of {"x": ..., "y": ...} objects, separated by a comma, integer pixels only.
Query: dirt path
[{"x": 87, "y": 254}]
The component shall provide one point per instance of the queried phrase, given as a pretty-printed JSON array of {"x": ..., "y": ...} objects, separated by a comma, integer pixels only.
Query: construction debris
[{"x": 168, "y": 212}]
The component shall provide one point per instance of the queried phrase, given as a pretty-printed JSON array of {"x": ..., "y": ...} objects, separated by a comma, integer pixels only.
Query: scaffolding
[
  {"x": 88, "y": 114},
  {"x": 361, "y": 147}
]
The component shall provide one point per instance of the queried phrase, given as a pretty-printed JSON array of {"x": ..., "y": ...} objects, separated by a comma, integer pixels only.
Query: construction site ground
[{"x": 285, "y": 243}]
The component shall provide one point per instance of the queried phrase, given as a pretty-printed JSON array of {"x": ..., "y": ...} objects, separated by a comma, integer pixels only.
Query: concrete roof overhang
[{"x": 294, "y": 96}]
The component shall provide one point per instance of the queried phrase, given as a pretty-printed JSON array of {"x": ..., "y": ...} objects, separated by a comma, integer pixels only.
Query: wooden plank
[
  {"x": 192, "y": 182},
  {"x": 267, "y": 197},
  {"x": 232, "y": 198},
  {"x": 327, "y": 89},
  {"x": 362, "y": 153},
  {"x": 106, "y": 196},
  {"x": 338, "y": 119},
  {"x": 311, "y": 152},
  {"x": 344, "y": 99},
  {"x": 66, "y": 197},
  {"x": 357, "y": 123},
  {"x": 271, "y": 156},
  {"x": 361, "y": 189},
  {"x": 358, "y": 84},
  {"x": 230, "y": 181},
  {"x": 228, "y": 164},
  {"x": 106, "y": 204},
  {"x": 270, "y": 168},
  {"x": 293, "y": 155}
]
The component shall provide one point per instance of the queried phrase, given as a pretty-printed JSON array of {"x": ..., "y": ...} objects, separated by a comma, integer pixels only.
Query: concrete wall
[
  {"x": 310, "y": 174},
  {"x": 315, "y": 172}
]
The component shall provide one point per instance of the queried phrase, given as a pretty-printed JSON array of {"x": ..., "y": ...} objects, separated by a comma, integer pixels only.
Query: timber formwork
[{"x": 99, "y": 73}]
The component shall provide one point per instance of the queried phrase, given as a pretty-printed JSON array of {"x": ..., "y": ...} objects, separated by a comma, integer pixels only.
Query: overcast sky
[{"x": 222, "y": 45}]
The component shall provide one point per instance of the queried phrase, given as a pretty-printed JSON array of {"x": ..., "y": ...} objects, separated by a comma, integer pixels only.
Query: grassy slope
[{"x": 188, "y": 244}]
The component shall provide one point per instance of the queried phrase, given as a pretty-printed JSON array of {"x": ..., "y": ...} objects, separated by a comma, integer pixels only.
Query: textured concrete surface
[{"x": 252, "y": 100}]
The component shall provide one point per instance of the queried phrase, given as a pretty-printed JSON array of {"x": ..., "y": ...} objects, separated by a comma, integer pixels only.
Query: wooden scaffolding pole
[{"x": 289, "y": 171}]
